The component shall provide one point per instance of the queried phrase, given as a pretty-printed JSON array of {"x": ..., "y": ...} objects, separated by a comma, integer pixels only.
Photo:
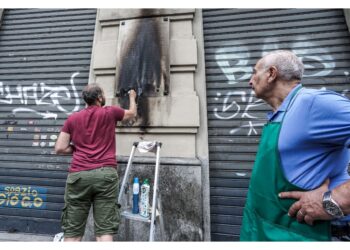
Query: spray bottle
[
  {"x": 135, "y": 198},
  {"x": 144, "y": 202}
]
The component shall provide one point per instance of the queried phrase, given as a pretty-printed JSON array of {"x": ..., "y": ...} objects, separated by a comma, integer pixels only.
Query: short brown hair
[{"x": 91, "y": 93}]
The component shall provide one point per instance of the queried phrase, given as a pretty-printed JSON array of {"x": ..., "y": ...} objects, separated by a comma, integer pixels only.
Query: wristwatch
[{"x": 331, "y": 206}]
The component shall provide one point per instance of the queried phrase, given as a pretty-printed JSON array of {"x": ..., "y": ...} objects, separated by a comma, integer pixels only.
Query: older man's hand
[{"x": 309, "y": 207}]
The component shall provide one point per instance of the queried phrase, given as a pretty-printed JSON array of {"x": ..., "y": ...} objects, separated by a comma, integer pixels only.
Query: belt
[{"x": 340, "y": 230}]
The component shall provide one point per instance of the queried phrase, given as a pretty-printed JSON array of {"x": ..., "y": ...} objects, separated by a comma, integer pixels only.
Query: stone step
[{"x": 4, "y": 236}]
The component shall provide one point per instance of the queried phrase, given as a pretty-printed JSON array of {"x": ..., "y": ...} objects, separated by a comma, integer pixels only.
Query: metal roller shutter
[
  {"x": 44, "y": 63},
  {"x": 234, "y": 40}
]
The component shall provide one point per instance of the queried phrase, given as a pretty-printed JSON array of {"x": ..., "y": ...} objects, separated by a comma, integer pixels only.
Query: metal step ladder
[{"x": 144, "y": 147}]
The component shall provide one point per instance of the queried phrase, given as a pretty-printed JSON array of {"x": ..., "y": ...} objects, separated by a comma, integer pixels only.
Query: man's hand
[
  {"x": 132, "y": 94},
  {"x": 131, "y": 113},
  {"x": 309, "y": 207}
]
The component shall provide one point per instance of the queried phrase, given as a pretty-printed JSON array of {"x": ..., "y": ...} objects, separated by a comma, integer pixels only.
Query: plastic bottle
[
  {"x": 135, "y": 198},
  {"x": 144, "y": 199}
]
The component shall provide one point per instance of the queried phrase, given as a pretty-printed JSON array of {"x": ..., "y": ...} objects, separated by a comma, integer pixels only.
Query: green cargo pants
[{"x": 99, "y": 188}]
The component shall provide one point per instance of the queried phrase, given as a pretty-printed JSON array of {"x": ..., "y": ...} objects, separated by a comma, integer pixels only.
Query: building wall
[
  {"x": 202, "y": 135},
  {"x": 44, "y": 64},
  {"x": 173, "y": 117},
  {"x": 234, "y": 40},
  {"x": 179, "y": 118},
  {"x": 1, "y": 12},
  {"x": 347, "y": 17},
  {"x": 176, "y": 114}
]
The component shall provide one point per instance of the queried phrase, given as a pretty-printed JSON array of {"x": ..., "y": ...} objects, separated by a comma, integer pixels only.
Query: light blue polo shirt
[{"x": 315, "y": 137}]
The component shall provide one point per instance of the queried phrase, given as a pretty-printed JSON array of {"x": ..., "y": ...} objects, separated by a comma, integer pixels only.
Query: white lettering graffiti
[
  {"x": 229, "y": 58},
  {"x": 228, "y": 110},
  {"x": 233, "y": 61},
  {"x": 50, "y": 96}
]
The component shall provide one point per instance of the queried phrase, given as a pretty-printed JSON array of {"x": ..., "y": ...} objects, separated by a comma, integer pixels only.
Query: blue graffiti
[{"x": 23, "y": 197}]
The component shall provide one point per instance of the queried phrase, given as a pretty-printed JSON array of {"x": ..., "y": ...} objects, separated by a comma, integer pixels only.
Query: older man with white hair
[{"x": 305, "y": 142}]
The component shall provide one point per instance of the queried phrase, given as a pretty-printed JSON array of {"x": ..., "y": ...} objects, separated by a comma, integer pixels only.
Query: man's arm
[
  {"x": 132, "y": 111},
  {"x": 62, "y": 145},
  {"x": 308, "y": 206}
]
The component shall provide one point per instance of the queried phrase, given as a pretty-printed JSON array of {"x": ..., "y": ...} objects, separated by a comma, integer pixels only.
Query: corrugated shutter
[
  {"x": 234, "y": 40},
  {"x": 44, "y": 63}
]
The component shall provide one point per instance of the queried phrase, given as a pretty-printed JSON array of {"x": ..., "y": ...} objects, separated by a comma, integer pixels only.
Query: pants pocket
[
  {"x": 117, "y": 215},
  {"x": 64, "y": 217},
  {"x": 111, "y": 176},
  {"x": 73, "y": 178}
]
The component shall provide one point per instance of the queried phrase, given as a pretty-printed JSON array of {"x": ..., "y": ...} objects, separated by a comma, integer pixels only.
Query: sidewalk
[{"x": 4, "y": 236}]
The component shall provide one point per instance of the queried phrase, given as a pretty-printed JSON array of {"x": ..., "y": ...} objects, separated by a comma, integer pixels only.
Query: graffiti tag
[
  {"x": 41, "y": 94},
  {"x": 233, "y": 61},
  {"x": 22, "y": 197}
]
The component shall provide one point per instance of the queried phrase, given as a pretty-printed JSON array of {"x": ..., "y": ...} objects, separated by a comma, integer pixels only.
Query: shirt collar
[{"x": 283, "y": 107}]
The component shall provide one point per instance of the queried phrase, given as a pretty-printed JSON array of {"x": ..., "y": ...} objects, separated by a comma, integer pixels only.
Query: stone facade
[
  {"x": 1, "y": 13},
  {"x": 347, "y": 17},
  {"x": 175, "y": 115}
]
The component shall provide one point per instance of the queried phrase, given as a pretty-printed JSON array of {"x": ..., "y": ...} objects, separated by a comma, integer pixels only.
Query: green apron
[{"x": 265, "y": 215}]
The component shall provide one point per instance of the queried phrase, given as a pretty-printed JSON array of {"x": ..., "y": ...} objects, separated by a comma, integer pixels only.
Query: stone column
[
  {"x": 1, "y": 13},
  {"x": 172, "y": 118},
  {"x": 176, "y": 114},
  {"x": 347, "y": 17}
]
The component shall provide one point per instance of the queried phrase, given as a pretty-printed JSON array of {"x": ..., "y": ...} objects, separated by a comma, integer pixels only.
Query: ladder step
[
  {"x": 130, "y": 216},
  {"x": 127, "y": 214}
]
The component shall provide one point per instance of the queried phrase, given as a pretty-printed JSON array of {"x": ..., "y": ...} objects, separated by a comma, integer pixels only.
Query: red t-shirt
[{"x": 92, "y": 132}]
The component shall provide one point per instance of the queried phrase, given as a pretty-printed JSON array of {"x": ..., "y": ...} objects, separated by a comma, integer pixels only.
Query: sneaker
[{"x": 58, "y": 237}]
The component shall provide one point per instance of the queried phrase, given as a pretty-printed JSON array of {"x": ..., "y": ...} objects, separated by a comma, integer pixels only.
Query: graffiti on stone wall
[
  {"x": 235, "y": 63},
  {"x": 41, "y": 95},
  {"x": 22, "y": 197}
]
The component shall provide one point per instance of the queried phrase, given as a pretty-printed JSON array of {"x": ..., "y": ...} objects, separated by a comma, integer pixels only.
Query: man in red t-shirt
[{"x": 92, "y": 180}]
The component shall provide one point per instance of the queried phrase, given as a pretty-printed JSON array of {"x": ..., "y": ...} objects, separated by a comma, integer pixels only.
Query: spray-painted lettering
[
  {"x": 42, "y": 95},
  {"x": 23, "y": 197},
  {"x": 229, "y": 58},
  {"x": 234, "y": 62}
]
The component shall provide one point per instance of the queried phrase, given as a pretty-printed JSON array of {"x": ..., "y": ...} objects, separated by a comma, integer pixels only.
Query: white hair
[{"x": 289, "y": 66}]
